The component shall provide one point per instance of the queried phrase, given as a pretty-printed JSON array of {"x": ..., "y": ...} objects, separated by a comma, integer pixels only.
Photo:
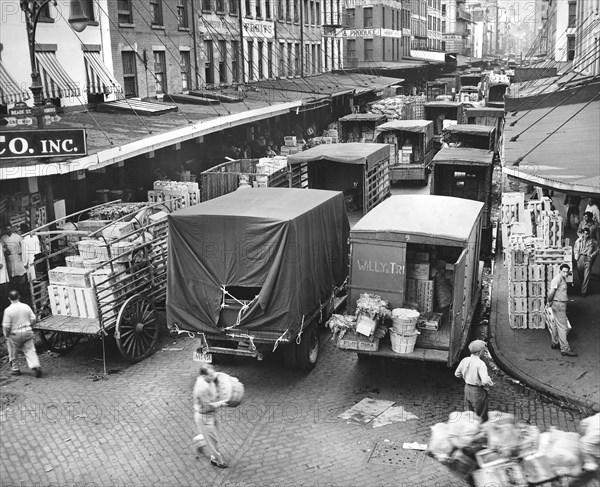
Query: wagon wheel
[
  {"x": 136, "y": 332},
  {"x": 58, "y": 341}
]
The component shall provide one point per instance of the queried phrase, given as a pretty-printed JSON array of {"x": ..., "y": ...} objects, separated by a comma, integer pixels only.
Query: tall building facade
[
  {"x": 434, "y": 25},
  {"x": 418, "y": 24},
  {"x": 375, "y": 31},
  {"x": 456, "y": 30}
]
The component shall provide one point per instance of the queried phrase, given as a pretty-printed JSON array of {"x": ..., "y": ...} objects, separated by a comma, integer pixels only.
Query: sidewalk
[{"x": 526, "y": 354}]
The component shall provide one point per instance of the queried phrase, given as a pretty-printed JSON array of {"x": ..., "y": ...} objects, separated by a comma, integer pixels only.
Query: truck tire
[{"x": 307, "y": 352}]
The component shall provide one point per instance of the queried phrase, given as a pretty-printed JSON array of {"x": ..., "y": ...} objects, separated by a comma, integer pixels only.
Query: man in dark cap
[
  {"x": 16, "y": 326},
  {"x": 474, "y": 372}
]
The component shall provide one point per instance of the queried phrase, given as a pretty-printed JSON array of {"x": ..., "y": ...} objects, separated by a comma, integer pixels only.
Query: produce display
[
  {"x": 116, "y": 211},
  {"x": 506, "y": 452}
]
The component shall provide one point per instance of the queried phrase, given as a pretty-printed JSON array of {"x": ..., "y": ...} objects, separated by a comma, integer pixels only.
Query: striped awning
[
  {"x": 10, "y": 91},
  {"x": 56, "y": 81},
  {"x": 99, "y": 79}
]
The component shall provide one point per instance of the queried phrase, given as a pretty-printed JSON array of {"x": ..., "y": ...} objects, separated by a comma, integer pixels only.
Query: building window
[
  {"x": 235, "y": 60},
  {"x": 368, "y": 17},
  {"x": 268, "y": 9},
  {"x": 297, "y": 59},
  {"x": 222, "y": 61},
  {"x": 572, "y": 14},
  {"x": 130, "y": 84},
  {"x": 233, "y": 6},
  {"x": 156, "y": 15},
  {"x": 314, "y": 58},
  {"x": 443, "y": 26},
  {"x": 206, "y": 6},
  {"x": 186, "y": 71},
  {"x": 351, "y": 48},
  {"x": 318, "y": 12},
  {"x": 295, "y": 4},
  {"x": 368, "y": 49},
  {"x": 350, "y": 17},
  {"x": 250, "y": 63},
  {"x": 160, "y": 72},
  {"x": 258, "y": 9},
  {"x": 570, "y": 48},
  {"x": 443, "y": 45},
  {"x": 280, "y": 10},
  {"x": 288, "y": 11},
  {"x": 247, "y": 9},
  {"x": 261, "y": 73},
  {"x": 182, "y": 17},
  {"x": 444, "y": 10},
  {"x": 208, "y": 63},
  {"x": 290, "y": 64},
  {"x": 306, "y": 12},
  {"x": 270, "y": 59},
  {"x": 220, "y": 4},
  {"x": 124, "y": 12},
  {"x": 281, "y": 69}
]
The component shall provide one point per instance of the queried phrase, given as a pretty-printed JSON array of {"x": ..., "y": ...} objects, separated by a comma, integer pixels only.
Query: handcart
[{"x": 104, "y": 277}]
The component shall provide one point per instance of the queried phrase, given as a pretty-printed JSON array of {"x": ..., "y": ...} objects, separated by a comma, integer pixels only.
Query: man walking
[
  {"x": 588, "y": 222},
  {"x": 206, "y": 404},
  {"x": 585, "y": 252},
  {"x": 557, "y": 300},
  {"x": 16, "y": 326},
  {"x": 474, "y": 372}
]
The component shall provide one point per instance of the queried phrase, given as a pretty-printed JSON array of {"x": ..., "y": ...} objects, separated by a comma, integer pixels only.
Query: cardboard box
[
  {"x": 353, "y": 341},
  {"x": 417, "y": 271},
  {"x": 430, "y": 321},
  {"x": 290, "y": 140},
  {"x": 365, "y": 325},
  {"x": 70, "y": 276}
]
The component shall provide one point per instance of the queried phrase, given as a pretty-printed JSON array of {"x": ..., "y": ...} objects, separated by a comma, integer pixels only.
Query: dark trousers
[{"x": 476, "y": 400}]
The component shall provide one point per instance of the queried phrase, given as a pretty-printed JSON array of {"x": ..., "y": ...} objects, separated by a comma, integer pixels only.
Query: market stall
[
  {"x": 411, "y": 148},
  {"x": 464, "y": 173},
  {"x": 360, "y": 127},
  {"x": 359, "y": 170},
  {"x": 426, "y": 276}
]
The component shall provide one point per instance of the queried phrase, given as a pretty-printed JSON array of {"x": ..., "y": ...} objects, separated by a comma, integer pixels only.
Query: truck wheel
[{"x": 308, "y": 350}]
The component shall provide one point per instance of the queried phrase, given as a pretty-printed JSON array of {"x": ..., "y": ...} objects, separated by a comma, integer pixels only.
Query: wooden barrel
[{"x": 229, "y": 389}]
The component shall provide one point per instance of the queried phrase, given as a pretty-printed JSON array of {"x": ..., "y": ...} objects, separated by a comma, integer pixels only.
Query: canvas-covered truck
[
  {"x": 257, "y": 269},
  {"x": 413, "y": 237}
]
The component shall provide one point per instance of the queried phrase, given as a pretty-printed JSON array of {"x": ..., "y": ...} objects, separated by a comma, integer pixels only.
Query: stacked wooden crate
[
  {"x": 517, "y": 260},
  {"x": 511, "y": 212},
  {"x": 536, "y": 295},
  {"x": 552, "y": 228}
]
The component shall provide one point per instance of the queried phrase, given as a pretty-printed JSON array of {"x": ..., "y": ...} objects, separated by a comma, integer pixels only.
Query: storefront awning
[
  {"x": 10, "y": 91},
  {"x": 57, "y": 83},
  {"x": 560, "y": 151},
  {"x": 100, "y": 80}
]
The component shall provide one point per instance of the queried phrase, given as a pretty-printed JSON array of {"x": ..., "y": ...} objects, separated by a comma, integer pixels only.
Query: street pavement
[{"x": 135, "y": 427}]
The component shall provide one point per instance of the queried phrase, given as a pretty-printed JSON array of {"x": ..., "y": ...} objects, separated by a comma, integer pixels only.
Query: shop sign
[
  {"x": 43, "y": 143},
  {"x": 258, "y": 29},
  {"x": 22, "y": 110},
  {"x": 213, "y": 26},
  {"x": 351, "y": 33},
  {"x": 371, "y": 3},
  {"x": 391, "y": 33}
]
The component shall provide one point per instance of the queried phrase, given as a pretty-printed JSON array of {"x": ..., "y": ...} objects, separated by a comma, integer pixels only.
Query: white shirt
[
  {"x": 18, "y": 318},
  {"x": 474, "y": 371},
  {"x": 204, "y": 394}
]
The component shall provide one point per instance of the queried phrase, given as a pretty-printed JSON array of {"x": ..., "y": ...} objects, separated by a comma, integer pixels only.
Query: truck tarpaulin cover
[
  {"x": 419, "y": 126},
  {"x": 351, "y": 153},
  {"x": 470, "y": 129},
  {"x": 290, "y": 243}
]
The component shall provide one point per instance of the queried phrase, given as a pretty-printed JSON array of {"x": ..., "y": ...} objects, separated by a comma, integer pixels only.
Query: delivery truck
[
  {"x": 258, "y": 269},
  {"x": 412, "y": 242}
]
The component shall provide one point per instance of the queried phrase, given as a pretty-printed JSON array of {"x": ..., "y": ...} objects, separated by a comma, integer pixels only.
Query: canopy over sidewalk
[{"x": 560, "y": 151}]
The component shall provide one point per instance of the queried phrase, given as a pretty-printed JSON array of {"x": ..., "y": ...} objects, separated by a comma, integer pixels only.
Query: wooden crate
[
  {"x": 517, "y": 321},
  {"x": 354, "y": 341},
  {"x": 536, "y": 321},
  {"x": 536, "y": 289},
  {"x": 517, "y": 289},
  {"x": 517, "y": 305},
  {"x": 536, "y": 272},
  {"x": 535, "y": 305},
  {"x": 517, "y": 273}
]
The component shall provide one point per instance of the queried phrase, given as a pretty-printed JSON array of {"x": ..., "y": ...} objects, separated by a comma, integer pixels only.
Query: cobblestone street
[{"x": 136, "y": 427}]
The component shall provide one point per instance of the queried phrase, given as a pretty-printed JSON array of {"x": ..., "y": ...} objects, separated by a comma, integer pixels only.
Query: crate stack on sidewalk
[{"x": 533, "y": 252}]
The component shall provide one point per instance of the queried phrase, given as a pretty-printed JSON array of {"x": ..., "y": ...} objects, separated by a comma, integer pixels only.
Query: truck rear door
[{"x": 459, "y": 311}]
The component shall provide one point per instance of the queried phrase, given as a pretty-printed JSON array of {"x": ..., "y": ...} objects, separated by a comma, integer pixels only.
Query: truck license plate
[{"x": 202, "y": 356}]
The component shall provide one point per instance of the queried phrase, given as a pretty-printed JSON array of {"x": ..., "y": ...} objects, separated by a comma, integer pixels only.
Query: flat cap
[{"x": 476, "y": 346}]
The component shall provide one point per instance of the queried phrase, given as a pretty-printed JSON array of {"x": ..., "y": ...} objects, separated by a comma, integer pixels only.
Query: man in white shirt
[
  {"x": 11, "y": 242},
  {"x": 474, "y": 372},
  {"x": 206, "y": 404},
  {"x": 30, "y": 247},
  {"x": 16, "y": 326}
]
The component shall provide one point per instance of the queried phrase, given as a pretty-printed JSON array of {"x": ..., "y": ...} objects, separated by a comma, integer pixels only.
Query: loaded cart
[
  {"x": 401, "y": 255},
  {"x": 360, "y": 127},
  {"x": 258, "y": 269},
  {"x": 411, "y": 144},
  {"x": 359, "y": 170},
  {"x": 105, "y": 276}
]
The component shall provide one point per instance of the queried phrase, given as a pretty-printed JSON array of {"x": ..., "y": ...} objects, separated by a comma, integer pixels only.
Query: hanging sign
[{"x": 43, "y": 143}]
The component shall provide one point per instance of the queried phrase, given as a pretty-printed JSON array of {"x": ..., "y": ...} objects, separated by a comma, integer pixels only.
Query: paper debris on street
[
  {"x": 395, "y": 414},
  {"x": 366, "y": 410},
  {"x": 414, "y": 446}
]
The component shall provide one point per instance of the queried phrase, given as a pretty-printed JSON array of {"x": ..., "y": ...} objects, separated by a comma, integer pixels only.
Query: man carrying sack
[
  {"x": 474, "y": 372},
  {"x": 206, "y": 404}
]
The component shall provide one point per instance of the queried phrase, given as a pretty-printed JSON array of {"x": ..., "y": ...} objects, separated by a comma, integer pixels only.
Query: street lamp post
[{"x": 32, "y": 9}]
